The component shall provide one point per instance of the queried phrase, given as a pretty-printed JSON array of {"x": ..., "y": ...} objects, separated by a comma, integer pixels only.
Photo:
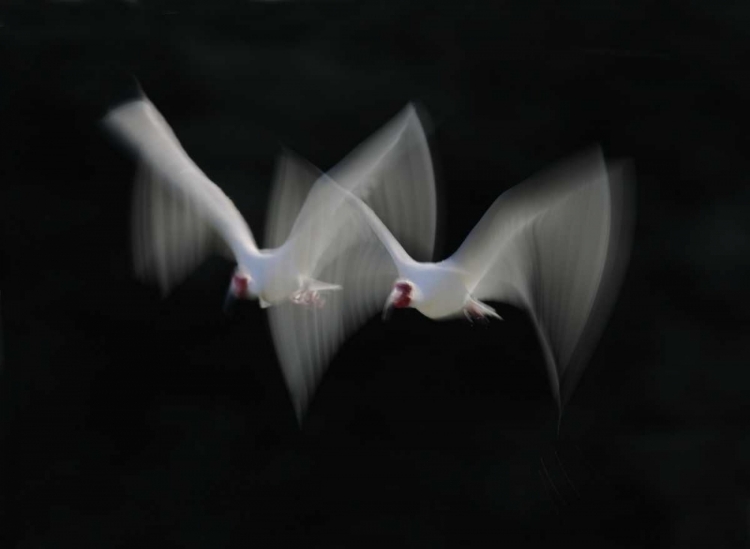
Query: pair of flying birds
[{"x": 339, "y": 245}]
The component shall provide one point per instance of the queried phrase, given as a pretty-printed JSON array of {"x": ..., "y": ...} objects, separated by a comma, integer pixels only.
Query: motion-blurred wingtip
[
  {"x": 419, "y": 110},
  {"x": 588, "y": 155},
  {"x": 622, "y": 174},
  {"x": 290, "y": 157},
  {"x": 286, "y": 154},
  {"x": 561, "y": 400},
  {"x": 286, "y": 150},
  {"x": 300, "y": 412}
]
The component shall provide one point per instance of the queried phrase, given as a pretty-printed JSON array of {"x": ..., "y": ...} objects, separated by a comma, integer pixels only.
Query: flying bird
[
  {"x": 180, "y": 217},
  {"x": 555, "y": 246}
]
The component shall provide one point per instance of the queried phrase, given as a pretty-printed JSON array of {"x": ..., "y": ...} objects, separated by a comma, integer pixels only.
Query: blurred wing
[
  {"x": 291, "y": 185},
  {"x": 391, "y": 171},
  {"x": 180, "y": 215},
  {"x": 170, "y": 235},
  {"x": 307, "y": 339},
  {"x": 396, "y": 251},
  {"x": 556, "y": 246}
]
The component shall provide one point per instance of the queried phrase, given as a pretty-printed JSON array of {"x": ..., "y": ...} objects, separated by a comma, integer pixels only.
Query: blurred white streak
[
  {"x": 557, "y": 247},
  {"x": 179, "y": 215},
  {"x": 392, "y": 171}
]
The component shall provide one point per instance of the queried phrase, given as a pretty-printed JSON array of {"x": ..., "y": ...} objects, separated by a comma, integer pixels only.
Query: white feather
[{"x": 392, "y": 171}]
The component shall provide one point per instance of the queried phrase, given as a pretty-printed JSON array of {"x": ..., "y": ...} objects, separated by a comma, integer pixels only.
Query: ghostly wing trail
[
  {"x": 392, "y": 171},
  {"x": 171, "y": 237},
  {"x": 556, "y": 246},
  {"x": 180, "y": 217}
]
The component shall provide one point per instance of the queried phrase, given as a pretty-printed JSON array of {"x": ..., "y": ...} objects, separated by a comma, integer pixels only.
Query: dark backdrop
[{"x": 126, "y": 419}]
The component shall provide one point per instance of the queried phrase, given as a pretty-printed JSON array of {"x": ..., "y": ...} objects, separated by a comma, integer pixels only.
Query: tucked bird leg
[
  {"x": 309, "y": 292},
  {"x": 307, "y": 298},
  {"x": 476, "y": 311}
]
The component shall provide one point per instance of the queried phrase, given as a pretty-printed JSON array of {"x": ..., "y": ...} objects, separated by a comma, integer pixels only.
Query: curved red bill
[
  {"x": 239, "y": 285},
  {"x": 403, "y": 299}
]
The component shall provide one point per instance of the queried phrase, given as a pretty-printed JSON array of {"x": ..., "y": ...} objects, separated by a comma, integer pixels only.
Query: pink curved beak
[
  {"x": 400, "y": 298},
  {"x": 238, "y": 289}
]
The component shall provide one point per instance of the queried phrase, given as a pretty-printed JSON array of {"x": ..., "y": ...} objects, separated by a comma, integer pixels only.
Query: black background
[{"x": 126, "y": 419}]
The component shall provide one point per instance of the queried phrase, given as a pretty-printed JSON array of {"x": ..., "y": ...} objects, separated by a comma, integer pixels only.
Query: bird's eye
[
  {"x": 241, "y": 284},
  {"x": 404, "y": 287}
]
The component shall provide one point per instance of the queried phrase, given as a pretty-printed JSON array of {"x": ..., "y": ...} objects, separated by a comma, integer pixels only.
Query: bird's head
[
  {"x": 403, "y": 295},
  {"x": 242, "y": 286}
]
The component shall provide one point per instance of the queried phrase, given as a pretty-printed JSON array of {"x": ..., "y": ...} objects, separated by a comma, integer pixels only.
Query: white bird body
[
  {"x": 275, "y": 273},
  {"x": 555, "y": 246},
  {"x": 439, "y": 289}
]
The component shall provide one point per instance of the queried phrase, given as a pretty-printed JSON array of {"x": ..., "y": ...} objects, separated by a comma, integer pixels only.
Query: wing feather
[
  {"x": 307, "y": 339},
  {"x": 392, "y": 172},
  {"x": 293, "y": 180},
  {"x": 557, "y": 246},
  {"x": 170, "y": 236},
  {"x": 179, "y": 215}
]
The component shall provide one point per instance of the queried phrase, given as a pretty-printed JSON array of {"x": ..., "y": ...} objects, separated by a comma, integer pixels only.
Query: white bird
[
  {"x": 555, "y": 246},
  {"x": 181, "y": 217}
]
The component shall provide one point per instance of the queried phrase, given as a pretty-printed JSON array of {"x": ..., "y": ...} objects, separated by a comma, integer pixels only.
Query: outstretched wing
[
  {"x": 170, "y": 235},
  {"x": 556, "y": 246},
  {"x": 392, "y": 171},
  {"x": 307, "y": 339},
  {"x": 179, "y": 215},
  {"x": 293, "y": 179}
]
